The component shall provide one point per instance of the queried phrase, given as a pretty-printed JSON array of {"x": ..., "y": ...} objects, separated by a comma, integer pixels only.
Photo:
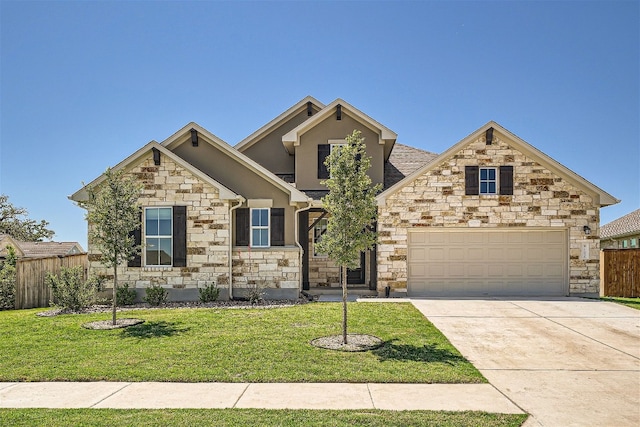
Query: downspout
[
  {"x": 297, "y": 238},
  {"x": 240, "y": 200}
]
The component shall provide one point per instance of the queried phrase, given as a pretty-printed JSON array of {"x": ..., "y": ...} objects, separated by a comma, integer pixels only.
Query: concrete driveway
[{"x": 566, "y": 361}]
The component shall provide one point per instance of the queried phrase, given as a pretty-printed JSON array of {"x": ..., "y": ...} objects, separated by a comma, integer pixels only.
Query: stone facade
[
  {"x": 208, "y": 229},
  {"x": 276, "y": 270},
  {"x": 540, "y": 199}
]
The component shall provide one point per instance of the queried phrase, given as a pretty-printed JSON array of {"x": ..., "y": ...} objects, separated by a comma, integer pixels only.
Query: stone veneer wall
[
  {"x": 207, "y": 230},
  {"x": 276, "y": 269},
  {"x": 540, "y": 199}
]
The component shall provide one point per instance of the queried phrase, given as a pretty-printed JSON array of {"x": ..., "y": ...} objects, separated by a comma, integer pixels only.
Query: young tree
[
  {"x": 352, "y": 208},
  {"x": 15, "y": 222},
  {"x": 113, "y": 214}
]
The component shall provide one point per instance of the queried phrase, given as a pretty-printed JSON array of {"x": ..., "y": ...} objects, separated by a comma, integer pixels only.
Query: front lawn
[
  {"x": 230, "y": 345},
  {"x": 629, "y": 302},
  {"x": 252, "y": 417}
]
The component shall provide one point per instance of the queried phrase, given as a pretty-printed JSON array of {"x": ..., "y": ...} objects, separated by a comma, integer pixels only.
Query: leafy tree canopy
[{"x": 15, "y": 222}]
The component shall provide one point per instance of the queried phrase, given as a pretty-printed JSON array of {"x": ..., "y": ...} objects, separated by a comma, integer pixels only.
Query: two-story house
[{"x": 490, "y": 216}]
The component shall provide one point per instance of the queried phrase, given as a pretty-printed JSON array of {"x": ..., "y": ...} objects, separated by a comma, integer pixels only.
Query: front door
[{"x": 355, "y": 276}]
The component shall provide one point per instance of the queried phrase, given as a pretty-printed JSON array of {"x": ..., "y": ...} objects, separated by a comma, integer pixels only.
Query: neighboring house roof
[
  {"x": 403, "y": 161},
  {"x": 601, "y": 197},
  {"x": 624, "y": 226},
  {"x": 177, "y": 139},
  {"x": 282, "y": 118},
  {"x": 387, "y": 136},
  {"x": 6, "y": 240},
  {"x": 225, "y": 193},
  {"x": 39, "y": 249}
]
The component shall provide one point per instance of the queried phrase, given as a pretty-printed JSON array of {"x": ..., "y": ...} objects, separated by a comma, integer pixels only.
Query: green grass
[
  {"x": 252, "y": 417},
  {"x": 252, "y": 345},
  {"x": 629, "y": 302}
]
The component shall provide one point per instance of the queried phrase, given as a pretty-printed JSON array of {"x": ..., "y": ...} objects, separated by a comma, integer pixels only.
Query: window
[
  {"x": 260, "y": 228},
  {"x": 625, "y": 244},
  {"x": 488, "y": 181},
  {"x": 158, "y": 232},
  {"x": 485, "y": 180},
  {"x": 634, "y": 243},
  {"x": 265, "y": 228},
  {"x": 318, "y": 231}
]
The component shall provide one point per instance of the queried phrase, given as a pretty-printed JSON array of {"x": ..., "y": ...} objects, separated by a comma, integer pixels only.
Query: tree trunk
[
  {"x": 344, "y": 304},
  {"x": 115, "y": 286}
]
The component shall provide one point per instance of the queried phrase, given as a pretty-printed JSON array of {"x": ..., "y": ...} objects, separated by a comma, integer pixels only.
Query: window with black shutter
[
  {"x": 485, "y": 180},
  {"x": 242, "y": 227},
  {"x": 136, "y": 261},
  {"x": 506, "y": 180},
  {"x": 179, "y": 236},
  {"x": 471, "y": 180},
  {"x": 277, "y": 226},
  {"x": 323, "y": 152}
]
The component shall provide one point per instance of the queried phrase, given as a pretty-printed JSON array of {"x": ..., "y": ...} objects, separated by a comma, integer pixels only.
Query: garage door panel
[{"x": 463, "y": 262}]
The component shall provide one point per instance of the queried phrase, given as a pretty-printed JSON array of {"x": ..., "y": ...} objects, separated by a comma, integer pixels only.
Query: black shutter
[
  {"x": 179, "y": 236},
  {"x": 242, "y": 227},
  {"x": 323, "y": 152},
  {"x": 136, "y": 261},
  {"x": 471, "y": 180},
  {"x": 506, "y": 180},
  {"x": 277, "y": 226}
]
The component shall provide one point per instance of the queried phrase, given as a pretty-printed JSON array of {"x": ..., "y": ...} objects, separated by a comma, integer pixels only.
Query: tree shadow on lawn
[
  {"x": 153, "y": 330},
  {"x": 426, "y": 353}
]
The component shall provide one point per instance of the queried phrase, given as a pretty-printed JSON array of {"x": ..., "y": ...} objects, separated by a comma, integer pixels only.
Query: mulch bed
[{"x": 355, "y": 342}]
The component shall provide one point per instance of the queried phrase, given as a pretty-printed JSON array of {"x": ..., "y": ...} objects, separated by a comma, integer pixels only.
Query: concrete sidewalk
[{"x": 126, "y": 395}]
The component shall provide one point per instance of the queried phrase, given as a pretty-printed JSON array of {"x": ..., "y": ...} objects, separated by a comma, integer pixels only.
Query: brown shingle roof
[
  {"x": 403, "y": 161},
  {"x": 38, "y": 249},
  {"x": 628, "y": 224}
]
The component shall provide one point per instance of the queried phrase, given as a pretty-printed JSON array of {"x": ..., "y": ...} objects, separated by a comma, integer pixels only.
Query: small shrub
[
  {"x": 156, "y": 295},
  {"x": 7, "y": 287},
  {"x": 209, "y": 293},
  {"x": 69, "y": 289},
  {"x": 125, "y": 296},
  {"x": 255, "y": 292}
]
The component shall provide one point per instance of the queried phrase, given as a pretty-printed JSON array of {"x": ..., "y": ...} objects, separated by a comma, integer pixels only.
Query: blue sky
[{"x": 84, "y": 84}]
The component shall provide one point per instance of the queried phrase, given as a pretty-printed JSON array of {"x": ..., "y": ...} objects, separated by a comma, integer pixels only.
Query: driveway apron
[{"x": 566, "y": 361}]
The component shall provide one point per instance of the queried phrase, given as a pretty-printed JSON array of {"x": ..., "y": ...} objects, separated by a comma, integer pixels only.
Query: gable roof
[
  {"x": 387, "y": 136},
  {"x": 403, "y": 161},
  {"x": 184, "y": 135},
  {"x": 225, "y": 193},
  {"x": 623, "y": 226},
  {"x": 7, "y": 240},
  {"x": 600, "y": 196},
  {"x": 282, "y": 118}
]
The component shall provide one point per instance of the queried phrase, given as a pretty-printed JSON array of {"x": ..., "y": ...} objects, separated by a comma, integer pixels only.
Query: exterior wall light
[{"x": 586, "y": 230}]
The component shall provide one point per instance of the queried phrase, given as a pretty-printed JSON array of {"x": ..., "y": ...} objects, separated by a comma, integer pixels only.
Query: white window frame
[
  {"x": 488, "y": 181},
  {"x": 321, "y": 225},
  {"x": 157, "y": 236},
  {"x": 260, "y": 227}
]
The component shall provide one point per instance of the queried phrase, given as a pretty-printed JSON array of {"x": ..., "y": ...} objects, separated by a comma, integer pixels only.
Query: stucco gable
[
  {"x": 287, "y": 115},
  {"x": 183, "y": 136},
  {"x": 600, "y": 197},
  {"x": 387, "y": 137},
  {"x": 144, "y": 153}
]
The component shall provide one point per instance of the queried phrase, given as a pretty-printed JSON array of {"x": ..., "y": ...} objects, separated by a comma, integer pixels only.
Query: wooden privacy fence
[
  {"x": 620, "y": 276},
  {"x": 31, "y": 273}
]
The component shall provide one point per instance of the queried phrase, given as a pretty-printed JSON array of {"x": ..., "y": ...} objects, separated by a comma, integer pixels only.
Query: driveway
[{"x": 565, "y": 361}]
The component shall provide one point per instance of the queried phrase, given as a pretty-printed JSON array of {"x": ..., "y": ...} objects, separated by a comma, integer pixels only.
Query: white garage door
[{"x": 487, "y": 262}]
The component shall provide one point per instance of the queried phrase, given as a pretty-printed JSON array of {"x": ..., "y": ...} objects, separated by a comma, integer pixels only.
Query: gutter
[
  {"x": 240, "y": 200},
  {"x": 297, "y": 238}
]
